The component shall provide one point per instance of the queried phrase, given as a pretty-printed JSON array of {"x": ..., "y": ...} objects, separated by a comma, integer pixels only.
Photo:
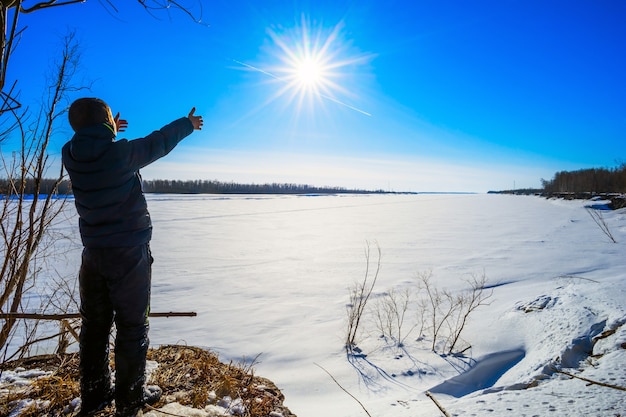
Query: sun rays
[{"x": 311, "y": 67}]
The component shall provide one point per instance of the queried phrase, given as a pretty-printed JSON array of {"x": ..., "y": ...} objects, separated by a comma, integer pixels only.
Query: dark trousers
[{"x": 114, "y": 286}]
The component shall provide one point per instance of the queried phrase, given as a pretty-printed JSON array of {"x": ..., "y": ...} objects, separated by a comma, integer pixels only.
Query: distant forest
[
  {"x": 46, "y": 187},
  {"x": 218, "y": 187},
  {"x": 194, "y": 187},
  {"x": 593, "y": 180},
  {"x": 581, "y": 182}
]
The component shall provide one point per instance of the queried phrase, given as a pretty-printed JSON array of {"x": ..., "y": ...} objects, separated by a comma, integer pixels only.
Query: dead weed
[{"x": 189, "y": 375}]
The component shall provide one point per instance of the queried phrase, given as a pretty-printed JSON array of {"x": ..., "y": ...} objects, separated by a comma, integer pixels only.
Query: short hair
[{"x": 88, "y": 111}]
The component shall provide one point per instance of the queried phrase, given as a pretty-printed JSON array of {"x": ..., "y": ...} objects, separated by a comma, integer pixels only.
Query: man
[{"x": 115, "y": 228}]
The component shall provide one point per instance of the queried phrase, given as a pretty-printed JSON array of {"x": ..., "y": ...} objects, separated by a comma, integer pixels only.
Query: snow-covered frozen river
[{"x": 269, "y": 277}]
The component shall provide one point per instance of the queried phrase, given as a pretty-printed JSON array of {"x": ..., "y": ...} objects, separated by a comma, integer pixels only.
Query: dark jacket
[{"x": 107, "y": 185}]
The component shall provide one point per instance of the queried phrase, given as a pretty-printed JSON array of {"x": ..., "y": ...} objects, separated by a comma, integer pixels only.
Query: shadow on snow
[{"x": 484, "y": 374}]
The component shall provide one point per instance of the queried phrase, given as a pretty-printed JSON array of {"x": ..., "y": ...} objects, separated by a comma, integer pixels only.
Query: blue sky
[{"x": 413, "y": 95}]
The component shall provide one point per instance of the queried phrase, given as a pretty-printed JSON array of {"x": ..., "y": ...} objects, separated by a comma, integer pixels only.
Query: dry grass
[{"x": 188, "y": 375}]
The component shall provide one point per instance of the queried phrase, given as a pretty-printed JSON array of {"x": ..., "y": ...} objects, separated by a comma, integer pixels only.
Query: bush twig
[
  {"x": 344, "y": 390},
  {"x": 597, "y": 217},
  {"x": 359, "y": 296}
]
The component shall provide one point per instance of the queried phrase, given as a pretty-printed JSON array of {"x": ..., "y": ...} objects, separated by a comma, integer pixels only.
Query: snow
[{"x": 270, "y": 278}]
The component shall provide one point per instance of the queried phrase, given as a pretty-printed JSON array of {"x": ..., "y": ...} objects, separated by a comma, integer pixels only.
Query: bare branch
[
  {"x": 590, "y": 381},
  {"x": 150, "y": 5},
  {"x": 26, "y": 222},
  {"x": 48, "y": 4},
  {"x": 344, "y": 390},
  {"x": 65, "y": 316}
]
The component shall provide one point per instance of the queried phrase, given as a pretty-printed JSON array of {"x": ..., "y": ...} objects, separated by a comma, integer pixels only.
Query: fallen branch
[
  {"x": 439, "y": 406},
  {"x": 64, "y": 316},
  {"x": 149, "y": 407},
  {"x": 604, "y": 335},
  {"x": 345, "y": 390},
  {"x": 590, "y": 381}
]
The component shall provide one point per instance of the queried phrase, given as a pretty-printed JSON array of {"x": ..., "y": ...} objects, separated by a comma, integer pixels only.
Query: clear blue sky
[{"x": 414, "y": 95}]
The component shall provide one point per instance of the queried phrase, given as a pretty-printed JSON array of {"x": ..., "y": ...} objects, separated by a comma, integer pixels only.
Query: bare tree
[
  {"x": 447, "y": 312},
  {"x": 391, "y": 313},
  {"x": 440, "y": 304},
  {"x": 25, "y": 220},
  {"x": 359, "y": 296},
  {"x": 476, "y": 296}
]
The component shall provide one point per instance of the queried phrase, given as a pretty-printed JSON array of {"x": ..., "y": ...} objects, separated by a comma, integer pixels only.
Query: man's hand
[
  {"x": 120, "y": 124},
  {"x": 196, "y": 121}
]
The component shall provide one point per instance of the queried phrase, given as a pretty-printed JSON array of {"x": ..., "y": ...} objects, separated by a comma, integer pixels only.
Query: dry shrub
[
  {"x": 199, "y": 372},
  {"x": 53, "y": 393},
  {"x": 185, "y": 368},
  {"x": 185, "y": 374}
]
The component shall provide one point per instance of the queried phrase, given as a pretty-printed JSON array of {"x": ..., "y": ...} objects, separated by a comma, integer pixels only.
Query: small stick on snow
[
  {"x": 344, "y": 390},
  {"x": 591, "y": 381},
  {"x": 439, "y": 406},
  {"x": 161, "y": 411}
]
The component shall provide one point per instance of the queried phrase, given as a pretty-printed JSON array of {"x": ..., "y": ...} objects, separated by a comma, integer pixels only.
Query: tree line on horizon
[
  {"x": 51, "y": 186},
  {"x": 591, "y": 180},
  {"x": 219, "y": 187}
]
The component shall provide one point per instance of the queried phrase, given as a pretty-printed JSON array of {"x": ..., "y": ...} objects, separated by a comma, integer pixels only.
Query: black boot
[
  {"x": 92, "y": 406},
  {"x": 151, "y": 395}
]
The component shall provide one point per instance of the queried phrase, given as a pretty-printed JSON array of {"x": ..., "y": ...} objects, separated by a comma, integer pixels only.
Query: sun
[
  {"x": 309, "y": 60},
  {"x": 313, "y": 65},
  {"x": 309, "y": 72}
]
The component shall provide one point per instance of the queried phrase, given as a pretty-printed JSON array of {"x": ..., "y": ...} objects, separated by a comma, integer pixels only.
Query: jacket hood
[{"x": 89, "y": 143}]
